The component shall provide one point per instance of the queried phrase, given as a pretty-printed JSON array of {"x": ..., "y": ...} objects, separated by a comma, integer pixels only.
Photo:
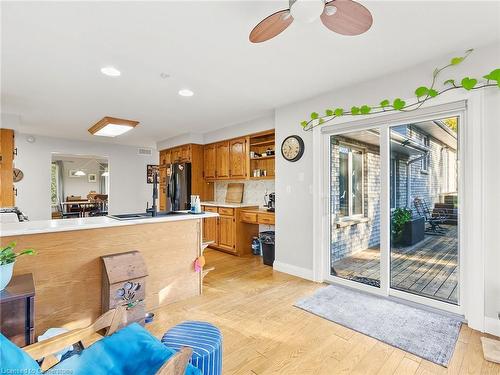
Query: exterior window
[
  {"x": 351, "y": 181},
  {"x": 393, "y": 182},
  {"x": 425, "y": 161}
]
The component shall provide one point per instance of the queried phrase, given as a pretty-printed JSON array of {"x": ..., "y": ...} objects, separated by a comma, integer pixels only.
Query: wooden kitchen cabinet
[
  {"x": 222, "y": 160},
  {"x": 6, "y": 168},
  {"x": 165, "y": 157},
  {"x": 228, "y": 232},
  {"x": 238, "y": 158},
  {"x": 210, "y": 226},
  {"x": 209, "y": 159},
  {"x": 176, "y": 155}
]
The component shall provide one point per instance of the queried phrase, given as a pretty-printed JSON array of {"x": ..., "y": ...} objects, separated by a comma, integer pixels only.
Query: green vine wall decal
[{"x": 422, "y": 95}]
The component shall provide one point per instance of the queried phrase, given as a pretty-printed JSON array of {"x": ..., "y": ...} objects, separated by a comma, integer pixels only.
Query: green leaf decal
[
  {"x": 321, "y": 120},
  {"x": 303, "y": 124},
  {"x": 314, "y": 116},
  {"x": 494, "y": 75},
  {"x": 385, "y": 103},
  {"x": 456, "y": 60},
  {"x": 421, "y": 91},
  {"x": 338, "y": 112},
  {"x": 365, "y": 109},
  {"x": 433, "y": 93},
  {"x": 355, "y": 110},
  {"x": 469, "y": 83},
  {"x": 329, "y": 112},
  {"x": 449, "y": 82},
  {"x": 398, "y": 104}
]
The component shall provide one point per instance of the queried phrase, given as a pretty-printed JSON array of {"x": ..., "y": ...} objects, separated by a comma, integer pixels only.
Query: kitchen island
[{"x": 67, "y": 268}]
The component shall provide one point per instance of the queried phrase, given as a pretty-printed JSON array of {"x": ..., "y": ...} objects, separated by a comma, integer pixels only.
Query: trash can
[{"x": 267, "y": 241}]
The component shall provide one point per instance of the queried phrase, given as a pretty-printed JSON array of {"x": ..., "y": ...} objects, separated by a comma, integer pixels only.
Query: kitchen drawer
[
  {"x": 264, "y": 218},
  {"x": 249, "y": 217},
  {"x": 210, "y": 209},
  {"x": 226, "y": 211}
]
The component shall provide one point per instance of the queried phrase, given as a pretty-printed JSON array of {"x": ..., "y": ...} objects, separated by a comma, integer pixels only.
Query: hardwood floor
[
  {"x": 429, "y": 268},
  {"x": 264, "y": 333}
]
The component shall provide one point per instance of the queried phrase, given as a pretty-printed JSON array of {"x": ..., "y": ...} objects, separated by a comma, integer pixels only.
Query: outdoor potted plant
[
  {"x": 406, "y": 229},
  {"x": 400, "y": 217},
  {"x": 7, "y": 259}
]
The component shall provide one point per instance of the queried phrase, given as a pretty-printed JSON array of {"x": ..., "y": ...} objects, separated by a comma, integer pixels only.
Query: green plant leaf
[
  {"x": 494, "y": 75},
  {"x": 421, "y": 91},
  {"x": 355, "y": 111},
  {"x": 456, "y": 60},
  {"x": 338, "y": 111},
  {"x": 321, "y": 120},
  {"x": 449, "y": 82},
  {"x": 385, "y": 103},
  {"x": 433, "y": 93},
  {"x": 469, "y": 83},
  {"x": 365, "y": 109},
  {"x": 329, "y": 112},
  {"x": 314, "y": 116},
  {"x": 303, "y": 124},
  {"x": 398, "y": 104}
]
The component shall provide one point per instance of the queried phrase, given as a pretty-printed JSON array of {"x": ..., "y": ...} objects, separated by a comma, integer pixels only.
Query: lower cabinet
[{"x": 227, "y": 231}]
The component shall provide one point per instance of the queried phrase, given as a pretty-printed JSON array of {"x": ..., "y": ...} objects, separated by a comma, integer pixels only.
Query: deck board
[{"x": 429, "y": 268}]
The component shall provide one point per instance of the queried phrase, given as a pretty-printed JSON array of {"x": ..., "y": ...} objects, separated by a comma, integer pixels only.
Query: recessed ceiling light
[
  {"x": 112, "y": 126},
  {"x": 110, "y": 71},
  {"x": 186, "y": 92}
]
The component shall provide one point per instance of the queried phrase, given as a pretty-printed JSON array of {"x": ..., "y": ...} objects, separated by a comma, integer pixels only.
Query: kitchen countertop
[
  {"x": 62, "y": 225},
  {"x": 229, "y": 205}
]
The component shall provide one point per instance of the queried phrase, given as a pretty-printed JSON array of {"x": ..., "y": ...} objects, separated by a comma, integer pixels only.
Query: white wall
[
  {"x": 294, "y": 204},
  {"x": 80, "y": 185},
  {"x": 129, "y": 191}
]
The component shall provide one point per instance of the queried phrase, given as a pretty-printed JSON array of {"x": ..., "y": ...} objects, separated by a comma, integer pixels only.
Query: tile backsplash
[{"x": 254, "y": 190}]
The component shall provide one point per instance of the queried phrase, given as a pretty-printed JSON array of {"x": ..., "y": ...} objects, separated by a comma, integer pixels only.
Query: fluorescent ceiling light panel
[
  {"x": 112, "y": 127},
  {"x": 110, "y": 71}
]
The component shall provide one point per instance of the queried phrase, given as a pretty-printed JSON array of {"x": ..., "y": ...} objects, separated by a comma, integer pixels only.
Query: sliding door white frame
[{"x": 469, "y": 108}]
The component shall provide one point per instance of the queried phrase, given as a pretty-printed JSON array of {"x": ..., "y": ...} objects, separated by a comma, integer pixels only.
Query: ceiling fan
[{"x": 346, "y": 17}]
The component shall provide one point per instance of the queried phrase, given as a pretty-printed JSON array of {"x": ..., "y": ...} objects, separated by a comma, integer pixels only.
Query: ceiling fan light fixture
[{"x": 307, "y": 11}]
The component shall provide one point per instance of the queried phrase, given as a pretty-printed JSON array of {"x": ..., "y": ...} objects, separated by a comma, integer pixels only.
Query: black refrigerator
[{"x": 179, "y": 187}]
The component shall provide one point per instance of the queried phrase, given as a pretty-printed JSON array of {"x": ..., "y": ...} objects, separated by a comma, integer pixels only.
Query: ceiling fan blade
[
  {"x": 271, "y": 26},
  {"x": 350, "y": 17}
]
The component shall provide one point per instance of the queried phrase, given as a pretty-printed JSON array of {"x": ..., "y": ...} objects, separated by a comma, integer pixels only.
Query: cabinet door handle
[{"x": 15, "y": 191}]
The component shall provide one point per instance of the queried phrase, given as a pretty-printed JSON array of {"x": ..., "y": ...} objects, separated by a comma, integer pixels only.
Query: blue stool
[{"x": 206, "y": 341}]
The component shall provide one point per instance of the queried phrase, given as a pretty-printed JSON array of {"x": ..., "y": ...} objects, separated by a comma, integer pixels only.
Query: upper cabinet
[
  {"x": 6, "y": 168},
  {"x": 222, "y": 159},
  {"x": 209, "y": 159},
  {"x": 250, "y": 157},
  {"x": 238, "y": 157}
]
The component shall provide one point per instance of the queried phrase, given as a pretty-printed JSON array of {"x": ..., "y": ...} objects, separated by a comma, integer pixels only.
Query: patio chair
[{"x": 433, "y": 219}]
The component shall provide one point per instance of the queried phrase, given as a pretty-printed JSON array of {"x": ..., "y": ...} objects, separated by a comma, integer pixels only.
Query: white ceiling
[{"x": 52, "y": 53}]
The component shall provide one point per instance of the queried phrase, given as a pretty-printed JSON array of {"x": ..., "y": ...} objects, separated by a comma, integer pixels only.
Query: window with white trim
[{"x": 351, "y": 181}]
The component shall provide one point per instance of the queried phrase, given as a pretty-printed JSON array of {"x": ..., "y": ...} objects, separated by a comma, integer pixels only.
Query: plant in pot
[
  {"x": 400, "y": 217},
  {"x": 7, "y": 259}
]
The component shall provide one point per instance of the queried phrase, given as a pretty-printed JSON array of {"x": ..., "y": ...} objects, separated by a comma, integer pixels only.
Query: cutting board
[{"x": 234, "y": 192}]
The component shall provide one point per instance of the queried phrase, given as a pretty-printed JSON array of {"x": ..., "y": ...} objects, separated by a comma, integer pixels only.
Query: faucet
[{"x": 154, "y": 210}]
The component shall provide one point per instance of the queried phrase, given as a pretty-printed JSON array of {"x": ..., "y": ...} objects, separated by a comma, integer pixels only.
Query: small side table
[{"x": 17, "y": 302}]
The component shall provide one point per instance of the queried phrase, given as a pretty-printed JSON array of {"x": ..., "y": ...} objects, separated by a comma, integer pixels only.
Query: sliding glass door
[
  {"x": 355, "y": 206},
  {"x": 394, "y": 209},
  {"x": 424, "y": 209}
]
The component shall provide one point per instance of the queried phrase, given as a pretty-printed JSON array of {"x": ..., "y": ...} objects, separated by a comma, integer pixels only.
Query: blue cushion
[
  {"x": 14, "y": 360},
  {"x": 131, "y": 350}
]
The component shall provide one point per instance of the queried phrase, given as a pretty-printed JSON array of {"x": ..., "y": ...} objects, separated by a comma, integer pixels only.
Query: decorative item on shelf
[
  {"x": 269, "y": 152},
  {"x": 7, "y": 260},
  {"x": 422, "y": 95},
  {"x": 150, "y": 170}
]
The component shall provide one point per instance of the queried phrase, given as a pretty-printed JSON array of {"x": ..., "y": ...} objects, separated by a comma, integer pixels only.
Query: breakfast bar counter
[{"x": 67, "y": 267}]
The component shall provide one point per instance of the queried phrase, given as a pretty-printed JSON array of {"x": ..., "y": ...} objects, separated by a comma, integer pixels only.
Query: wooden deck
[{"x": 429, "y": 268}]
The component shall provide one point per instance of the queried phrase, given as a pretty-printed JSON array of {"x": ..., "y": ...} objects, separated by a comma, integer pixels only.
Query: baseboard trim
[
  {"x": 303, "y": 273},
  {"x": 492, "y": 326}
]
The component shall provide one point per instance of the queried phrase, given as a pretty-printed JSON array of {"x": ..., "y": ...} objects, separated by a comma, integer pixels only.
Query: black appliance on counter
[
  {"x": 179, "y": 187},
  {"x": 271, "y": 202}
]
